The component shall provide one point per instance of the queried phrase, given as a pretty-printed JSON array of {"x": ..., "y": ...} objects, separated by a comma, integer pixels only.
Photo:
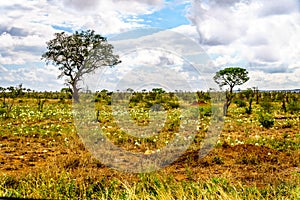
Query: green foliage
[
  {"x": 205, "y": 111},
  {"x": 148, "y": 186},
  {"x": 284, "y": 144},
  {"x": 103, "y": 97},
  {"x": 240, "y": 103},
  {"x": 293, "y": 107},
  {"x": 248, "y": 93},
  {"x": 153, "y": 98},
  {"x": 78, "y": 54},
  {"x": 158, "y": 90},
  {"x": 266, "y": 106},
  {"x": 30, "y": 120},
  {"x": 231, "y": 77},
  {"x": 55, "y": 119},
  {"x": 65, "y": 93},
  {"x": 203, "y": 96},
  {"x": 2, "y": 111},
  {"x": 266, "y": 120},
  {"x": 6, "y": 109},
  {"x": 40, "y": 104},
  {"x": 248, "y": 110}
]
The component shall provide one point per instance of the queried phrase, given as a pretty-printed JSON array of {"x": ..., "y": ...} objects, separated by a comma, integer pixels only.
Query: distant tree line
[{"x": 19, "y": 91}]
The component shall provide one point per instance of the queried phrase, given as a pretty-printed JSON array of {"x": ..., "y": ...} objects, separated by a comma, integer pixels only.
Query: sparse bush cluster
[{"x": 154, "y": 98}]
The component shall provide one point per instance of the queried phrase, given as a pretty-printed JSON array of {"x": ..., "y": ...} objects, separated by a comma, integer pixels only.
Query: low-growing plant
[
  {"x": 6, "y": 109},
  {"x": 287, "y": 124},
  {"x": 217, "y": 160},
  {"x": 240, "y": 103},
  {"x": 205, "y": 111},
  {"x": 266, "y": 106},
  {"x": 248, "y": 110},
  {"x": 266, "y": 120},
  {"x": 293, "y": 107},
  {"x": 2, "y": 111}
]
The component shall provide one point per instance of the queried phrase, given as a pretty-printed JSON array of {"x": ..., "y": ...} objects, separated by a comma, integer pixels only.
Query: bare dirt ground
[{"x": 247, "y": 163}]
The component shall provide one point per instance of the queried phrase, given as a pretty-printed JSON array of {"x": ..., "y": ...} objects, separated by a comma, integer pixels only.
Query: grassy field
[{"x": 42, "y": 156}]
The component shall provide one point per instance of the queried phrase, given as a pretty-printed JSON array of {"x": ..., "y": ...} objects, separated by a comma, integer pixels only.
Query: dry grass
[{"x": 41, "y": 156}]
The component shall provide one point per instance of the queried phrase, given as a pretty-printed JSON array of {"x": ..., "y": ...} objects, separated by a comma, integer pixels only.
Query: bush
[
  {"x": 2, "y": 111},
  {"x": 205, "y": 111},
  {"x": 293, "y": 106},
  {"x": 266, "y": 120},
  {"x": 173, "y": 104},
  {"x": 240, "y": 103},
  {"x": 266, "y": 106}
]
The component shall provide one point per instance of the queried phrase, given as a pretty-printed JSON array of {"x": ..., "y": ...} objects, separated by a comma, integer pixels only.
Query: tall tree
[
  {"x": 78, "y": 54},
  {"x": 230, "y": 77}
]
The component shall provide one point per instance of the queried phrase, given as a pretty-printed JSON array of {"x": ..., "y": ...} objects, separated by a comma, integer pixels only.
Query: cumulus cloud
[
  {"x": 33, "y": 77},
  {"x": 122, "y": 6},
  {"x": 187, "y": 30},
  {"x": 261, "y": 35},
  {"x": 26, "y": 26},
  {"x": 80, "y": 4},
  {"x": 268, "y": 7},
  {"x": 158, "y": 57}
]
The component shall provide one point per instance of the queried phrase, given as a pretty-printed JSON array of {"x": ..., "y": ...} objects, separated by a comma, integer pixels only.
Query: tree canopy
[
  {"x": 78, "y": 54},
  {"x": 231, "y": 77}
]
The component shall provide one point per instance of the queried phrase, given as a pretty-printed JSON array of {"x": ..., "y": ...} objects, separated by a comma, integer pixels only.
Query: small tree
[
  {"x": 3, "y": 93},
  {"x": 230, "y": 77},
  {"x": 78, "y": 54}
]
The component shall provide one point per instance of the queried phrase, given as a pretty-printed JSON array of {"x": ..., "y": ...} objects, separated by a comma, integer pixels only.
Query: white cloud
[
  {"x": 261, "y": 35},
  {"x": 268, "y": 7},
  {"x": 37, "y": 78},
  {"x": 265, "y": 80},
  {"x": 164, "y": 58},
  {"x": 188, "y": 31},
  {"x": 26, "y": 26},
  {"x": 126, "y": 7}
]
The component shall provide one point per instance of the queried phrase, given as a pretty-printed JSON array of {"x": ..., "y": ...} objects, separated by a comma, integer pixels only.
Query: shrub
[
  {"x": 266, "y": 106},
  {"x": 293, "y": 106},
  {"x": 173, "y": 104},
  {"x": 240, "y": 103},
  {"x": 249, "y": 109},
  {"x": 2, "y": 111},
  {"x": 266, "y": 120},
  {"x": 205, "y": 111}
]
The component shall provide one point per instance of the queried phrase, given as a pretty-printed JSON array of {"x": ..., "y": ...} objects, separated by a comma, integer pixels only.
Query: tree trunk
[
  {"x": 225, "y": 107},
  {"x": 75, "y": 94},
  {"x": 229, "y": 97}
]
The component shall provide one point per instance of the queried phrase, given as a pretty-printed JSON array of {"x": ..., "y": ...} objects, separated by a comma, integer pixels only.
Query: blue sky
[
  {"x": 171, "y": 16},
  {"x": 260, "y": 35}
]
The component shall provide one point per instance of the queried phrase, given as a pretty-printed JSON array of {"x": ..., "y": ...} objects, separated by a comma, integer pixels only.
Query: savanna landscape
[
  {"x": 141, "y": 99},
  {"x": 256, "y": 155}
]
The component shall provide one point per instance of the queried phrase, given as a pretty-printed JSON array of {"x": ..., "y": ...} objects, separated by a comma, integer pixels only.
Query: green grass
[{"x": 149, "y": 186}]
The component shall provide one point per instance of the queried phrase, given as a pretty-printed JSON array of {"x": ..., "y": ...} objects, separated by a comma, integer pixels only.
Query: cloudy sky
[{"x": 262, "y": 36}]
